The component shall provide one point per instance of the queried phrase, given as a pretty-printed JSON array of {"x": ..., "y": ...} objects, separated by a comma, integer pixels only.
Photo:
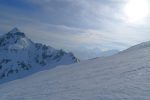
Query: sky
[{"x": 84, "y": 27}]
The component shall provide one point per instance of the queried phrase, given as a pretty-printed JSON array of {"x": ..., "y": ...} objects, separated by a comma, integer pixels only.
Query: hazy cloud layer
[{"x": 74, "y": 25}]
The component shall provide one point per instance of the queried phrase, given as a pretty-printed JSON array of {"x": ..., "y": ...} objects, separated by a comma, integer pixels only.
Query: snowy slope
[
  {"x": 124, "y": 76},
  {"x": 19, "y": 56}
]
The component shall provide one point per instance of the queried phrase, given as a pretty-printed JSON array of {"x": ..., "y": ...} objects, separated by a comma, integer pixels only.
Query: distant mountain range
[
  {"x": 86, "y": 54},
  {"x": 19, "y": 56}
]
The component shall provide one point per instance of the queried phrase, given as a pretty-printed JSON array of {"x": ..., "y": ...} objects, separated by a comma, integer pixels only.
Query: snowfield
[{"x": 124, "y": 76}]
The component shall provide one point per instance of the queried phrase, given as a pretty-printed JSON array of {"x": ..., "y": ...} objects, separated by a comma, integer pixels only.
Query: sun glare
[{"x": 136, "y": 10}]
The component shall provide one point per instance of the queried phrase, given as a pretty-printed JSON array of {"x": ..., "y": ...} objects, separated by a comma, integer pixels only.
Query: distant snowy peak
[
  {"x": 14, "y": 30},
  {"x": 19, "y": 56},
  {"x": 108, "y": 53},
  {"x": 14, "y": 39}
]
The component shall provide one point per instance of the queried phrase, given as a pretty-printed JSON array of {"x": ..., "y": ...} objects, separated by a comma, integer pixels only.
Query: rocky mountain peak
[
  {"x": 15, "y": 32},
  {"x": 21, "y": 57}
]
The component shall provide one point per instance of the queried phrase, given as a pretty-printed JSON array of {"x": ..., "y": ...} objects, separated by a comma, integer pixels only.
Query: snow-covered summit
[
  {"x": 19, "y": 56},
  {"x": 13, "y": 39},
  {"x": 14, "y": 30}
]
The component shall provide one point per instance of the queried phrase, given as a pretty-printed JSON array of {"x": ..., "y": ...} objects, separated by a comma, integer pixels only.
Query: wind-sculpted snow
[
  {"x": 124, "y": 76},
  {"x": 19, "y": 56}
]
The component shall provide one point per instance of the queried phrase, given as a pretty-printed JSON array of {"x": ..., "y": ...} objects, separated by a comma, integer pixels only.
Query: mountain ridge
[{"x": 18, "y": 54}]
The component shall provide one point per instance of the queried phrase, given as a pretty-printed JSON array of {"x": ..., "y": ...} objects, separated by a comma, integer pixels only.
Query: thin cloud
[{"x": 75, "y": 24}]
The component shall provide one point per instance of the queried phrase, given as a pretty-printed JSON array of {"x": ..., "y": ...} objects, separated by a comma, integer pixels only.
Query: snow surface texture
[
  {"x": 124, "y": 76},
  {"x": 19, "y": 56}
]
